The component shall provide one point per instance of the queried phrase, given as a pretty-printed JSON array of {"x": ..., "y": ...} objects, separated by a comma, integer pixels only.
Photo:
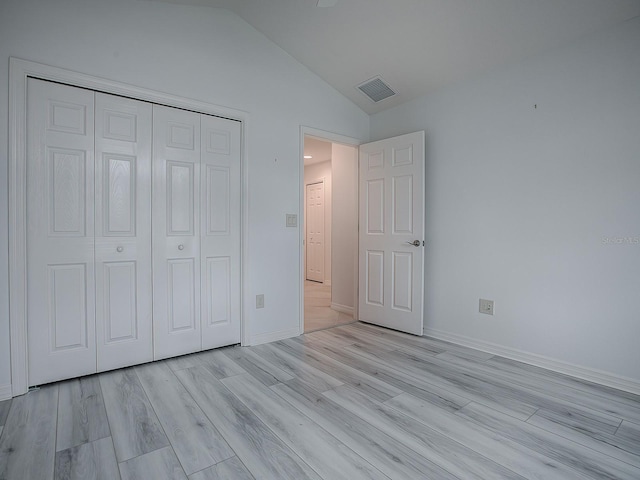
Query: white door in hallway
[
  {"x": 60, "y": 232},
  {"x": 314, "y": 221},
  {"x": 391, "y": 252}
]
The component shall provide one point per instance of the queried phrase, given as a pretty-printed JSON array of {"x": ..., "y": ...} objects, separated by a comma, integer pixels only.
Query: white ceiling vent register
[{"x": 376, "y": 89}]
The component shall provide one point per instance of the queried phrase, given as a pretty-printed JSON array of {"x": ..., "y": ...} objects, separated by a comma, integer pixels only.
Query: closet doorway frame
[{"x": 19, "y": 72}]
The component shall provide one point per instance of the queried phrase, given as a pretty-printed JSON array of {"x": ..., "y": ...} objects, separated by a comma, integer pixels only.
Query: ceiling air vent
[{"x": 376, "y": 89}]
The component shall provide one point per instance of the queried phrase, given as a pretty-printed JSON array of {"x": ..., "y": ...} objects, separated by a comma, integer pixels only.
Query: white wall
[
  {"x": 206, "y": 54},
  {"x": 519, "y": 200},
  {"x": 314, "y": 173},
  {"x": 344, "y": 240}
]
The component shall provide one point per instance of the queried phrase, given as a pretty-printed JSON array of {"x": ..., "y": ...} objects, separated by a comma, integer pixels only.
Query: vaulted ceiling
[{"x": 417, "y": 46}]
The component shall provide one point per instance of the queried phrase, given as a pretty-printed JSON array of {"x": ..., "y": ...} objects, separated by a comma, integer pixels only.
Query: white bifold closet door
[
  {"x": 88, "y": 237},
  {"x": 133, "y": 231},
  {"x": 196, "y": 231}
]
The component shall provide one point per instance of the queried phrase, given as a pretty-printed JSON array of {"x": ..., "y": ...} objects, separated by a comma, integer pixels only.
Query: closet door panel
[
  {"x": 176, "y": 232},
  {"x": 123, "y": 232},
  {"x": 220, "y": 236},
  {"x": 60, "y": 232}
]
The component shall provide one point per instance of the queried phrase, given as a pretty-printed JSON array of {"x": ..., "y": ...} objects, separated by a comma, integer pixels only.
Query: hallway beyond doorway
[{"x": 318, "y": 313}]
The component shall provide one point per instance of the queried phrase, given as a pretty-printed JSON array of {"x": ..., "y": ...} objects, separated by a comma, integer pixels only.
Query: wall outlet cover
[{"x": 486, "y": 306}]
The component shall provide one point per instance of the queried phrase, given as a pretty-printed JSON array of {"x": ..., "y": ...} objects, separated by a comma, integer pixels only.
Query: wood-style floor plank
[
  {"x": 297, "y": 368},
  {"x": 512, "y": 455},
  {"x": 532, "y": 371},
  {"x": 184, "y": 361},
  {"x": 135, "y": 428},
  {"x": 266, "y": 373},
  {"x": 630, "y": 433},
  {"x": 606, "y": 443},
  {"x": 400, "y": 379},
  {"x": 89, "y": 461},
  {"x": 373, "y": 386},
  {"x": 532, "y": 393},
  {"x": 451, "y": 379},
  {"x": 577, "y": 406},
  {"x": 353, "y": 401},
  {"x": 82, "y": 417},
  {"x": 28, "y": 441},
  {"x": 195, "y": 440},
  {"x": 585, "y": 460},
  {"x": 4, "y": 411},
  {"x": 261, "y": 451},
  {"x": 219, "y": 364},
  {"x": 160, "y": 464},
  {"x": 231, "y": 469},
  {"x": 383, "y": 340},
  {"x": 383, "y": 452},
  {"x": 437, "y": 448},
  {"x": 312, "y": 443},
  {"x": 425, "y": 343}
]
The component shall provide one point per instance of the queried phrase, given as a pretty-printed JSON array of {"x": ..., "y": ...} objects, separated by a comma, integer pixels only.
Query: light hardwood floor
[
  {"x": 352, "y": 402},
  {"x": 318, "y": 313}
]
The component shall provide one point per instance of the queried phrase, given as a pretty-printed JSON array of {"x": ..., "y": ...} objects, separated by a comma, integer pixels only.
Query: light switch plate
[
  {"x": 260, "y": 301},
  {"x": 292, "y": 220}
]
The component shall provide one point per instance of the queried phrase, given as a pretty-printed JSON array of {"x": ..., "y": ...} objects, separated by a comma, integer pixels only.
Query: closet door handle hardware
[
  {"x": 120, "y": 249},
  {"x": 415, "y": 243},
  {"x": 181, "y": 247}
]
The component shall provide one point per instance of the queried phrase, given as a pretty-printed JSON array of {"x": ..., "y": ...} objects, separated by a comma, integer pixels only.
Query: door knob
[
  {"x": 120, "y": 249},
  {"x": 415, "y": 243},
  {"x": 180, "y": 247}
]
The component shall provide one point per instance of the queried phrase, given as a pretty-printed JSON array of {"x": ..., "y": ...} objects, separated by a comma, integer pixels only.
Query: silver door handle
[
  {"x": 180, "y": 247},
  {"x": 120, "y": 249},
  {"x": 415, "y": 243}
]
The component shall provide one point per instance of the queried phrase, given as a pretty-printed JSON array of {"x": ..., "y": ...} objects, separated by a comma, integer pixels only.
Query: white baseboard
[
  {"x": 342, "y": 308},
  {"x": 5, "y": 392},
  {"x": 592, "y": 375},
  {"x": 274, "y": 336}
]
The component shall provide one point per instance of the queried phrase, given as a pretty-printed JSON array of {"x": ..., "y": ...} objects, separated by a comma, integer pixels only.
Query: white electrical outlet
[
  {"x": 486, "y": 306},
  {"x": 260, "y": 301}
]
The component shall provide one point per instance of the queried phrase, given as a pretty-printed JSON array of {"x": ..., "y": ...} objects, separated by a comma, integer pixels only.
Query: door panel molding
[{"x": 19, "y": 72}]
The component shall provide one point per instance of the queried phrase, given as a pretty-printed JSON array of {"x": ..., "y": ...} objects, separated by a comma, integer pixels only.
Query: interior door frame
[
  {"x": 19, "y": 71},
  {"x": 333, "y": 138}
]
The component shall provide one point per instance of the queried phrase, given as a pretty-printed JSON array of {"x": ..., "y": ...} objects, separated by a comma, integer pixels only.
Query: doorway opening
[{"x": 330, "y": 233}]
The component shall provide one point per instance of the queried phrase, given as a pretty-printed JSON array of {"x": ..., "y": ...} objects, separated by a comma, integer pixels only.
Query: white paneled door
[
  {"x": 123, "y": 231},
  {"x": 196, "y": 231},
  {"x": 176, "y": 231},
  {"x": 220, "y": 231},
  {"x": 391, "y": 251},
  {"x": 314, "y": 221},
  {"x": 88, "y": 211},
  {"x": 60, "y": 245}
]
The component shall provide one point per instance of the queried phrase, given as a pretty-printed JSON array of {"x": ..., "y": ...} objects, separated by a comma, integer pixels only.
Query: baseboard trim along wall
[
  {"x": 273, "y": 336},
  {"x": 5, "y": 392},
  {"x": 592, "y": 375},
  {"x": 342, "y": 308}
]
